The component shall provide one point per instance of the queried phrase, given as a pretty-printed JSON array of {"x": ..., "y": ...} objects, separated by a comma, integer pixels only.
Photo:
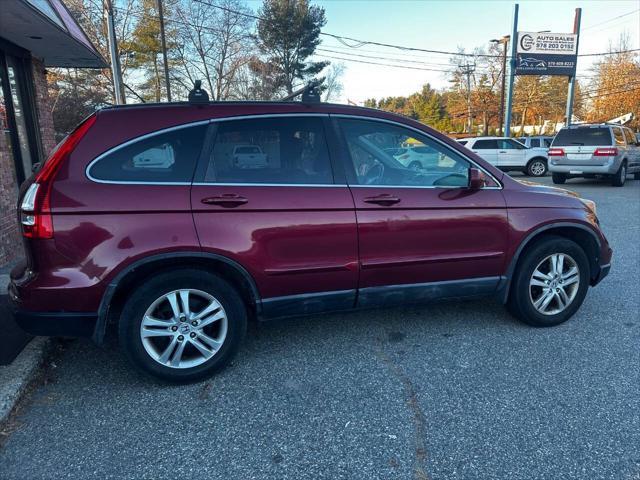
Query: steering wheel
[{"x": 374, "y": 174}]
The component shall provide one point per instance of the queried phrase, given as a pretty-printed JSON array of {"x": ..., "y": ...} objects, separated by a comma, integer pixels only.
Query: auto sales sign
[{"x": 546, "y": 53}]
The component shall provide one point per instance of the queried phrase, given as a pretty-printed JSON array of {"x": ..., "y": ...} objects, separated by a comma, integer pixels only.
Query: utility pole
[
  {"x": 512, "y": 72},
  {"x": 572, "y": 79},
  {"x": 505, "y": 43},
  {"x": 164, "y": 50},
  {"x": 116, "y": 72},
  {"x": 468, "y": 69}
]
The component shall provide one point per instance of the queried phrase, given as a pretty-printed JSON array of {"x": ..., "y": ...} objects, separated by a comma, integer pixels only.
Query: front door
[
  {"x": 511, "y": 153},
  {"x": 422, "y": 233},
  {"x": 285, "y": 218}
]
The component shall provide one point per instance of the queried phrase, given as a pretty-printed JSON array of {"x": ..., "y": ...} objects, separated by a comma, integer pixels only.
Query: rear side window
[
  {"x": 547, "y": 142},
  {"x": 618, "y": 136},
  {"x": 284, "y": 150},
  {"x": 587, "y": 137},
  {"x": 462, "y": 142},
  {"x": 486, "y": 145},
  {"x": 631, "y": 139},
  {"x": 168, "y": 157}
]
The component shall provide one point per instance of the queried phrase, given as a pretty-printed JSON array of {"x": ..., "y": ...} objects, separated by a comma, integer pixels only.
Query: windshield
[{"x": 589, "y": 137}]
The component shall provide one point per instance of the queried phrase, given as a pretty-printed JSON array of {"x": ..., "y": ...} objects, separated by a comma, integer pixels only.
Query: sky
[{"x": 448, "y": 25}]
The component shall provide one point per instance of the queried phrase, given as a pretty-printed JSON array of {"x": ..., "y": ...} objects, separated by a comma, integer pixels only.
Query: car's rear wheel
[
  {"x": 537, "y": 167},
  {"x": 550, "y": 282},
  {"x": 636, "y": 176},
  {"x": 182, "y": 326},
  {"x": 415, "y": 166},
  {"x": 558, "y": 178},
  {"x": 620, "y": 176}
]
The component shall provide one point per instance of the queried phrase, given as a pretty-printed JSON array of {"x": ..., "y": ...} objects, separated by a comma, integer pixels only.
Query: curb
[{"x": 15, "y": 378}]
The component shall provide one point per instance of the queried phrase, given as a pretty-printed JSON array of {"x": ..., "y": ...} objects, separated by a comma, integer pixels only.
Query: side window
[
  {"x": 547, "y": 142},
  {"x": 424, "y": 163},
  {"x": 631, "y": 140},
  {"x": 272, "y": 150},
  {"x": 617, "y": 133},
  {"x": 508, "y": 144},
  {"x": 485, "y": 145},
  {"x": 462, "y": 142},
  {"x": 163, "y": 158}
]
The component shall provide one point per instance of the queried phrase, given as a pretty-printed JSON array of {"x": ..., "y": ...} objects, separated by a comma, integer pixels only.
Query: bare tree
[
  {"x": 333, "y": 82},
  {"x": 216, "y": 44}
]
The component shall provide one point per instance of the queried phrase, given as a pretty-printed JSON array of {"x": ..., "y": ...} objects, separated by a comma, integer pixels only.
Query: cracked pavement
[{"x": 448, "y": 390}]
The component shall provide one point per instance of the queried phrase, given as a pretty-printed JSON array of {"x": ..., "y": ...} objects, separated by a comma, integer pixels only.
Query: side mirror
[{"x": 477, "y": 180}]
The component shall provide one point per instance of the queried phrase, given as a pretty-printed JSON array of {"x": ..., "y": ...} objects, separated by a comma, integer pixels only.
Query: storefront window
[{"x": 19, "y": 115}]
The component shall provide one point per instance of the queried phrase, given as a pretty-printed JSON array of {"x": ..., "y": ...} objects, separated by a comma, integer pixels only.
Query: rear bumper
[
  {"x": 63, "y": 324},
  {"x": 608, "y": 169}
]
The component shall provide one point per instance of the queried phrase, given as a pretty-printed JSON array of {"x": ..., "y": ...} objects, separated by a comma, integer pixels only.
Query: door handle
[
  {"x": 502, "y": 151},
  {"x": 227, "y": 200},
  {"x": 385, "y": 200}
]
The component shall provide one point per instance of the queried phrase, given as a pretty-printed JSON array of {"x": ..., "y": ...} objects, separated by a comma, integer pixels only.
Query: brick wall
[
  {"x": 43, "y": 107},
  {"x": 10, "y": 241}
]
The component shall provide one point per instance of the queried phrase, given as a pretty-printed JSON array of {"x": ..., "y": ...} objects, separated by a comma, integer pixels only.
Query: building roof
[{"x": 48, "y": 30}]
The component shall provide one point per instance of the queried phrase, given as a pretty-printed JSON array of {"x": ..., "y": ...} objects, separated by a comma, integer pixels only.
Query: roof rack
[{"x": 310, "y": 93}]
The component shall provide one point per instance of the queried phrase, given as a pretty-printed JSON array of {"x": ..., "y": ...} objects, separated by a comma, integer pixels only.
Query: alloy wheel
[
  {"x": 538, "y": 168},
  {"x": 184, "y": 328},
  {"x": 554, "y": 284}
]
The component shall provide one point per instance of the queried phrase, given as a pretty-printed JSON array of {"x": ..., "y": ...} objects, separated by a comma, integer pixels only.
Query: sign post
[
  {"x": 512, "y": 72},
  {"x": 572, "y": 78}
]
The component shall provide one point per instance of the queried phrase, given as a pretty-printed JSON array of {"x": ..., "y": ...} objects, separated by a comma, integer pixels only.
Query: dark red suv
[{"x": 178, "y": 222}]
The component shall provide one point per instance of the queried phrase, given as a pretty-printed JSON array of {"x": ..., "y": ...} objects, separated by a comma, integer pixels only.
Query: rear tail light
[
  {"x": 605, "y": 152},
  {"x": 35, "y": 208},
  {"x": 555, "y": 152}
]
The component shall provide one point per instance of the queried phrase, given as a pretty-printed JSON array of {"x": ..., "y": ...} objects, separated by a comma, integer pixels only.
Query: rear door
[
  {"x": 422, "y": 233},
  {"x": 633, "y": 152},
  {"x": 487, "y": 149},
  {"x": 290, "y": 223}
]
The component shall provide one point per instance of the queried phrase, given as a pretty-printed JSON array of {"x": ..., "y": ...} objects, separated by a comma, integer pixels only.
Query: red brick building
[{"x": 34, "y": 34}]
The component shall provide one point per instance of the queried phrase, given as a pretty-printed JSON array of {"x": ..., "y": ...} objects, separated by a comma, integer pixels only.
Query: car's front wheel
[
  {"x": 182, "y": 326},
  {"x": 537, "y": 167},
  {"x": 550, "y": 282}
]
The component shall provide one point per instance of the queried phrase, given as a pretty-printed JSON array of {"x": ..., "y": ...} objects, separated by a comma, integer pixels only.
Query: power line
[{"x": 611, "y": 19}]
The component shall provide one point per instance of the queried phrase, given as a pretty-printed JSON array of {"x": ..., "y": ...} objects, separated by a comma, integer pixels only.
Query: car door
[
  {"x": 487, "y": 149},
  {"x": 422, "y": 234},
  {"x": 288, "y": 221},
  {"x": 633, "y": 151},
  {"x": 511, "y": 153}
]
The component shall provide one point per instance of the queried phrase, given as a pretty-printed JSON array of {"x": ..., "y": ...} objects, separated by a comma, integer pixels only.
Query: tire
[
  {"x": 523, "y": 293},
  {"x": 620, "y": 176},
  {"x": 558, "y": 178},
  {"x": 537, "y": 167},
  {"x": 636, "y": 176},
  {"x": 225, "y": 332},
  {"x": 415, "y": 166}
]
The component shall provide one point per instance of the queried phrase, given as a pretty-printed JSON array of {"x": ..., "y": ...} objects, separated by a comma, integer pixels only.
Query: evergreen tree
[{"x": 288, "y": 34}]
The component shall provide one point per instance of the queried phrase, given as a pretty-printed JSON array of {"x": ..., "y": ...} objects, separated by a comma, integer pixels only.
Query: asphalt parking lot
[{"x": 451, "y": 390}]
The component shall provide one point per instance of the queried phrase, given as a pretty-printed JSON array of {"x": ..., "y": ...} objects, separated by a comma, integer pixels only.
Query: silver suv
[{"x": 590, "y": 151}]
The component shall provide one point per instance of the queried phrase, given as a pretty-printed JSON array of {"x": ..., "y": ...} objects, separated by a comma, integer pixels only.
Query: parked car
[
  {"x": 595, "y": 150},
  {"x": 249, "y": 156},
  {"x": 508, "y": 154},
  {"x": 539, "y": 141},
  {"x": 418, "y": 157},
  {"x": 177, "y": 259}
]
